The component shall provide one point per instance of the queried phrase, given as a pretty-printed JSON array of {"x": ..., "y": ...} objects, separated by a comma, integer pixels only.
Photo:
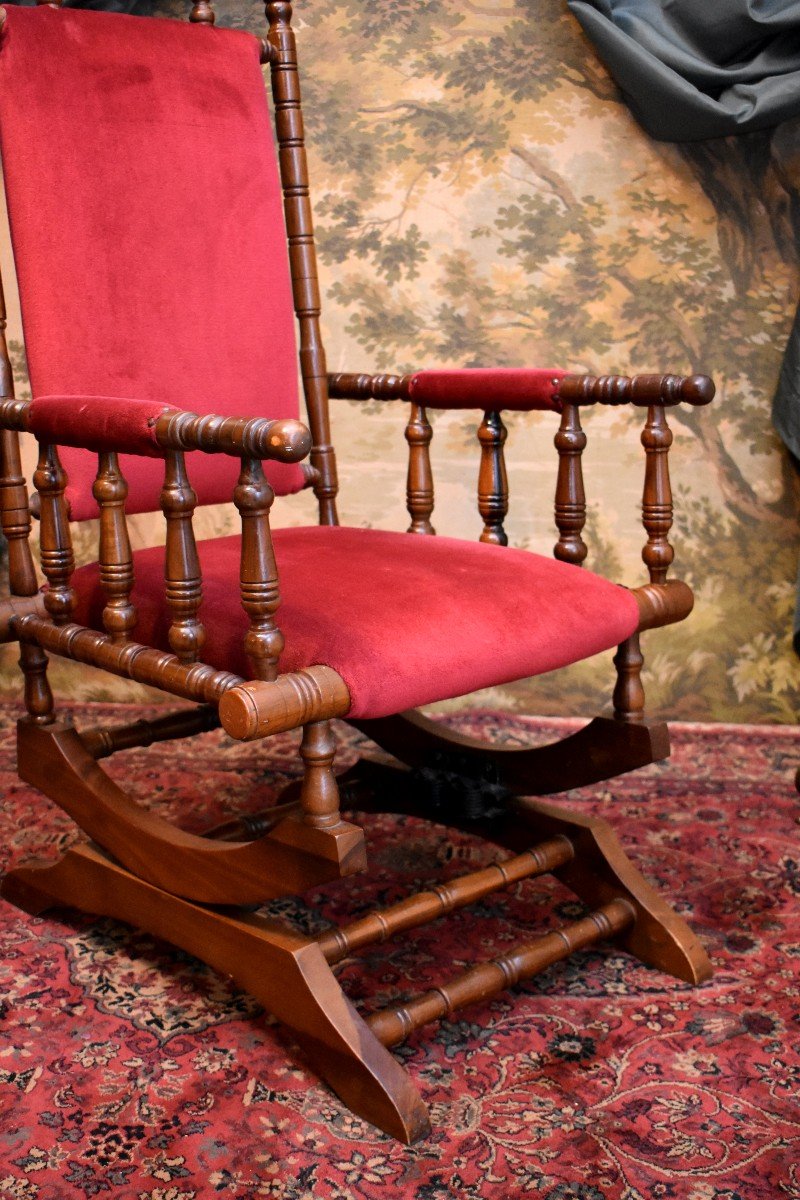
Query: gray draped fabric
[{"x": 694, "y": 69}]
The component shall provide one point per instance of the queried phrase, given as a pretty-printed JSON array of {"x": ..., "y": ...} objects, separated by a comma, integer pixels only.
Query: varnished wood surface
[
  {"x": 302, "y": 253},
  {"x": 493, "y": 479},
  {"x": 602, "y": 749},
  {"x": 570, "y": 504},
  {"x": 182, "y": 577},
  {"x": 116, "y": 559},
  {"x": 290, "y": 859},
  {"x": 164, "y": 875},
  {"x": 258, "y": 571},
  {"x": 490, "y": 978},
  {"x": 424, "y": 907},
  {"x": 285, "y": 973},
  {"x": 419, "y": 482}
]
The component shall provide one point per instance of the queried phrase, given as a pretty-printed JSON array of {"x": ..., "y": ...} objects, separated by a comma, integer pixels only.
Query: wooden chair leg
[{"x": 283, "y": 971}]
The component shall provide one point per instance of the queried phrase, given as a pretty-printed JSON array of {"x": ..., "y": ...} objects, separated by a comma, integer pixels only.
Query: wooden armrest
[
  {"x": 639, "y": 390},
  {"x": 522, "y": 389},
  {"x": 148, "y": 428}
]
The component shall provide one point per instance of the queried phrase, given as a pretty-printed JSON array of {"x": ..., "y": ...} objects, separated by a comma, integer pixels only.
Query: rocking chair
[{"x": 148, "y": 217}]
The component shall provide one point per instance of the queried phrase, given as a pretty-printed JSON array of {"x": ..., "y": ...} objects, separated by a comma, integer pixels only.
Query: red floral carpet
[{"x": 129, "y": 1070}]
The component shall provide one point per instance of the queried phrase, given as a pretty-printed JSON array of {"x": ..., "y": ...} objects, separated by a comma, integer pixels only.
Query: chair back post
[
  {"x": 15, "y": 518},
  {"x": 302, "y": 254}
]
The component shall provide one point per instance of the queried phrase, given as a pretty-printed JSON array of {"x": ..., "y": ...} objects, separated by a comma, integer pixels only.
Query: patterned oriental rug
[{"x": 129, "y": 1070}]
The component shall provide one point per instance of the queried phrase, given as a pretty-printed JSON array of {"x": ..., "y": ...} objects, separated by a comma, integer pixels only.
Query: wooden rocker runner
[{"x": 160, "y": 314}]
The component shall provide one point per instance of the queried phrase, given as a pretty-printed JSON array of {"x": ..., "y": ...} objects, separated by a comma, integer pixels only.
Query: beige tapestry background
[{"x": 483, "y": 196}]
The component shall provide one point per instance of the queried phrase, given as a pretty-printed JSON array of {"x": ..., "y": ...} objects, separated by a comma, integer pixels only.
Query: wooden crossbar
[
  {"x": 445, "y": 898},
  {"x": 143, "y": 664},
  {"x": 488, "y": 979}
]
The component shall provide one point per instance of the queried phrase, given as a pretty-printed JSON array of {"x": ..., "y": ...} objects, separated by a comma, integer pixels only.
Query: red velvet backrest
[{"x": 147, "y": 225}]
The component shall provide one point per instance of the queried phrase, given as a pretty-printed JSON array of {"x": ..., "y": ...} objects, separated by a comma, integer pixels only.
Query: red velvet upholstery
[
  {"x": 147, "y": 224},
  {"x": 521, "y": 389},
  {"x": 406, "y": 620},
  {"x": 98, "y": 422}
]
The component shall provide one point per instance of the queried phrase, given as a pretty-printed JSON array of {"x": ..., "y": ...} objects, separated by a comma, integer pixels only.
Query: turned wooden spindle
[
  {"x": 570, "y": 505},
  {"x": 184, "y": 584},
  {"x": 258, "y": 576},
  {"x": 302, "y": 253},
  {"x": 16, "y": 521},
  {"x": 657, "y": 498},
  {"x": 446, "y": 898},
  {"x": 104, "y": 740},
  {"x": 57, "y": 558},
  {"x": 157, "y": 668},
  {"x": 488, "y": 979},
  {"x": 419, "y": 485},
  {"x": 628, "y": 691},
  {"x": 319, "y": 794},
  {"x": 116, "y": 560},
  {"x": 202, "y": 13},
  {"x": 492, "y": 479}
]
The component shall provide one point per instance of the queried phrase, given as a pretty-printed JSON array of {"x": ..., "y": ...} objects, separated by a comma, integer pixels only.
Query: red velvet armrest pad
[
  {"x": 98, "y": 423},
  {"x": 516, "y": 388}
]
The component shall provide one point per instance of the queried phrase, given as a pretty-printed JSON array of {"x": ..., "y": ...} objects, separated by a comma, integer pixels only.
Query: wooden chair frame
[{"x": 140, "y": 868}]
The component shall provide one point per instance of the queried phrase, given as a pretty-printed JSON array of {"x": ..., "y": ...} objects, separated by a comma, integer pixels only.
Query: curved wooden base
[
  {"x": 599, "y": 872},
  {"x": 284, "y": 972},
  {"x": 602, "y": 749},
  {"x": 288, "y": 859}
]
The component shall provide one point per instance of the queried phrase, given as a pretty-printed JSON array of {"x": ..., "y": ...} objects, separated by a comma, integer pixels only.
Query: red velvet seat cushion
[
  {"x": 406, "y": 620},
  {"x": 147, "y": 222}
]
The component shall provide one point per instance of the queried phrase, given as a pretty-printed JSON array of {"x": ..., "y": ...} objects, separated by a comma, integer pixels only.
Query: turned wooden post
[
  {"x": 58, "y": 560},
  {"x": 319, "y": 795},
  {"x": 302, "y": 254},
  {"x": 657, "y": 498},
  {"x": 184, "y": 584},
  {"x": 203, "y": 13},
  {"x": 419, "y": 486},
  {"x": 657, "y": 555},
  {"x": 16, "y": 522},
  {"x": 258, "y": 578},
  {"x": 116, "y": 561},
  {"x": 570, "y": 506},
  {"x": 492, "y": 479}
]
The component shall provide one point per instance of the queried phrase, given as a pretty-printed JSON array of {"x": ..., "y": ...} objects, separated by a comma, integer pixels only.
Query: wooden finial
[
  {"x": 279, "y": 12},
  {"x": 202, "y": 13}
]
